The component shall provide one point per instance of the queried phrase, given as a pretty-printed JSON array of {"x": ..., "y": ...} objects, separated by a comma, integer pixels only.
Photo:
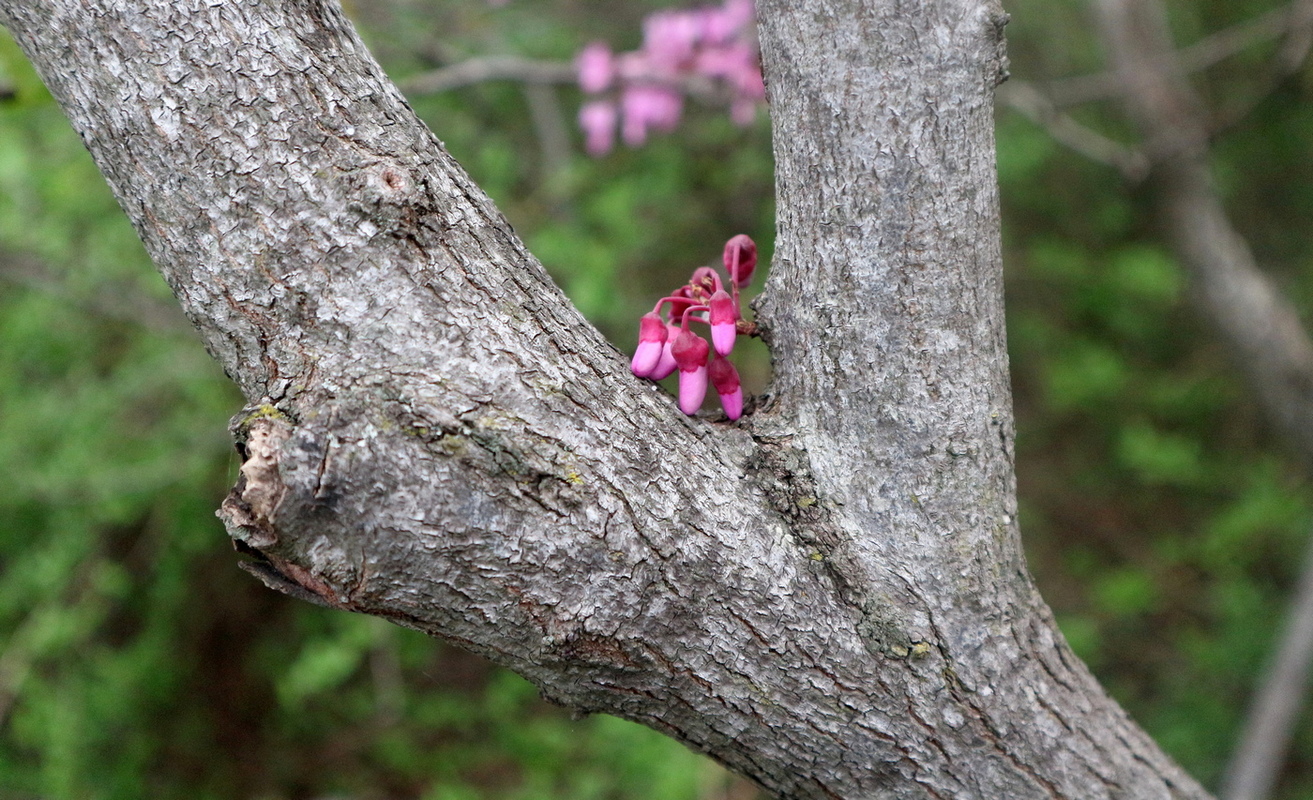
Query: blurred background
[{"x": 1164, "y": 518}]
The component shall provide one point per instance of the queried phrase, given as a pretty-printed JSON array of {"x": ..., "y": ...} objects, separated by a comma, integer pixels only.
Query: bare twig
[
  {"x": 1046, "y": 105},
  {"x": 481, "y": 69},
  {"x": 1291, "y": 21},
  {"x": 121, "y": 302},
  {"x": 1257, "y": 759},
  {"x": 1298, "y": 36},
  {"x": 489, "y": 68},
  {"x": 1038, "y": 107},
  {"x": 549, "y": 124},
  {"x": 1261, "y": 327}
]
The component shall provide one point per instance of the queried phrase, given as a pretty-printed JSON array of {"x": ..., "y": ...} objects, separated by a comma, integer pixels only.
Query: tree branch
[
  {"x": 1257, "y": 759},
  {"x": 1041, "y": 109},
  {"x": 1290, "y": 22},
  {"x": 490, "y": 68},
  {"x": 1045, "y": 106},
  {"x": 1261, "y": 327},
  {"x": 828, "y": 597},
  {"x": 123, "y": 303}
]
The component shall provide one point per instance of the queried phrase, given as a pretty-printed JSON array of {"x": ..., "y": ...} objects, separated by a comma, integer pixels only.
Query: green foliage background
[{"x": 1164, "y": 523}]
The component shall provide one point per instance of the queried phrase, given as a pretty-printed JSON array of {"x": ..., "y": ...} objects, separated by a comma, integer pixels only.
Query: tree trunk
[{"x": 828, "y": 597}]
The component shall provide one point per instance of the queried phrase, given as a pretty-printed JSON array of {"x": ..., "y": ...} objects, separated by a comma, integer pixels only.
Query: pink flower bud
[
  {"x": 740, "y": 259},
  {"x": 666, "y": 366},
  {"x": 651, "y": 339},
  {"x": 743, "y": 112},
  {"x": 725, "y": 379},
  {"x": 740, "y": 13},
  {"x": 669, "y": 37},
  {"x": 723, "y": 316},
  {"x": 596, "y": 68},
  {"x": 704, "y": 280},
  {"x": 690, "y": 352},
  {"x": 649, "y": 107},
  {"x": 692, "y": 390},
  {"x": 598, "y": 120}
]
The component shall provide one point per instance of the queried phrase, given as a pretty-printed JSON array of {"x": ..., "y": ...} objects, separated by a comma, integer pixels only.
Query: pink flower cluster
[
  {"x": 711, "y": 50},
  {"x": 666, "y": 344}
]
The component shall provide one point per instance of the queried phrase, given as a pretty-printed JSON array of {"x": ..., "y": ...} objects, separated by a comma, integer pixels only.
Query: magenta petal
[
  {"x": 692, "y": 389},
  {"x": 646, "y": 358},
  {"x": 598, "y": 120},
  {"x": 723, "y": 336},
  {"x": 733, "y": 403},
  {"x": 596, "y": 68},
  {"x": 724, "y": 313},
  {"x": 665, "y": 365},
  {"x": 740, "y": 259}
]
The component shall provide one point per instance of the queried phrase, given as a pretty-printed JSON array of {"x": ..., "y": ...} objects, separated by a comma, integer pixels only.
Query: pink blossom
[
  {"x": 669, "y": 343},
  {"x": 596, "y": 68},
  {"x": 717, "y": 26},
  {"x": 598, "y": 120},
  {"x": 740, "y": 259},
  {"x": 690, "y": 352},
  {"x": 651, "y": 339},
  {"x": 649, "y": 107},
  {"x": 726, "y": 60},
  {"x": 725, "y": 379},
  {"x": 740, "y": 13},
  {"x": 683, "y": 51},
  {"x": 669, "y": 38},
  {"x": 666, "y": 366},
  {"x": 724, "y": 313},
  {"x": 742, "y": 111}
]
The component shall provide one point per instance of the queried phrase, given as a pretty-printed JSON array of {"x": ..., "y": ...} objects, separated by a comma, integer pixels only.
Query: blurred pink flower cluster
[
  {"x": 666, "y": 344},
  {"x": 709, "y": 51}
]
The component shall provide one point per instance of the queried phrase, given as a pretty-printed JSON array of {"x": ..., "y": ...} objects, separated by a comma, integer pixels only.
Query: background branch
[
  {"x": 1261, "y": 327},
  {"x": 1290, "y": 22},
  {"x": 1039, "y": 107},
  {"x": 490, "y": 68},
  {"x": 1260, "y": 752}
]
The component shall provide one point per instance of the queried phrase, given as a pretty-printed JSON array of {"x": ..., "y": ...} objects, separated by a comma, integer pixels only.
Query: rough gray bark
[{"x": 829, "y": 597}]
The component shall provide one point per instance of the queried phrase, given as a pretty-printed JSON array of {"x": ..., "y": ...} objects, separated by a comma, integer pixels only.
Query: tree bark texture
[{"x": 828, "y": 596}]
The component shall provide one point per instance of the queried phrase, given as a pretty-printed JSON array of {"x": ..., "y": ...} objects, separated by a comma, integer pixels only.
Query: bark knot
[{"x": 249, "y": 508}]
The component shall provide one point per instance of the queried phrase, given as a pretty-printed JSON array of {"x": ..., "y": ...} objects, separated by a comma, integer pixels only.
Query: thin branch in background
[
  {"x": 117, "y": 302},
  {"x": 549, "y": 124},
  {"x": 1257, "y": 760},
  {"x": 1299, "y": 38},
  {"x": 482, "y": 69},
  {"x": 1217, "y": 47},
  {"x": 1262, "y": 327},
  {"x": 489, "y": 68},
  {"x": 1045, "y": 106},
  {"x": 1038, "y": 107},
  {"x": 1290, "y": 56}
]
